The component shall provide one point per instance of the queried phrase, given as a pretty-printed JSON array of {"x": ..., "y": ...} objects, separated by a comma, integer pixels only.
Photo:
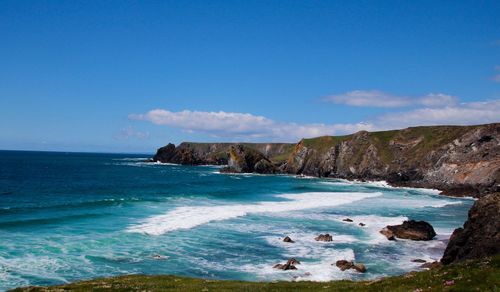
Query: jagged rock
[
  {"x": 165, "y": 153},
  {"x": 414, "y": 230},
  {"x": 289, "y": 265},
  {"x": 387, "y": 233},
  {"x": 243, "y": 159},
  {"x": 347, "y": 220},
  {"x": 324, "y": 237},
  {"x": 344, "y": 264},
  {"x": 362, "y": 224},
  {"x": 480, "y": 236},
  {"x": 288, "y": 239}
]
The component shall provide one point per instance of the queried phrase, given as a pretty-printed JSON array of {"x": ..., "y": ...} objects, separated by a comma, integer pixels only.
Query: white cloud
[
  {"x": 243, "y": 125},
  {"x": 371, "y": 98},
  {"x": 376, "y": 98},
  {"x": 436, "y": 100},
  {"x": 248, "y": 127},
  {"x": 462, "y": 114}
]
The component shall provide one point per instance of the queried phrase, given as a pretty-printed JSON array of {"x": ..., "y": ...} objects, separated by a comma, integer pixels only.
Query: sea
[{"x": 66, "y": 217}]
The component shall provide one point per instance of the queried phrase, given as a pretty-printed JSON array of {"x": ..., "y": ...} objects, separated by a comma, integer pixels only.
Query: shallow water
[{"x": 66, "y": 217}]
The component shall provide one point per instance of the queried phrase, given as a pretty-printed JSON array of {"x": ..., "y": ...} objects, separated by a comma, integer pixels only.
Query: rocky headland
[{"x": 458, "y": 160}]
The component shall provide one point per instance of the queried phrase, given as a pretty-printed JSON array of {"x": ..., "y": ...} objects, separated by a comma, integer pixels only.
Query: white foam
[
  {"x": 189, "y": 217},
  {"x": 379, "y": 184},
  {"x": 310, "y": 268}
]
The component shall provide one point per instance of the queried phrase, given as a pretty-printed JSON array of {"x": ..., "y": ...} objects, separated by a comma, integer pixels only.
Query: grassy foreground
[{"x": 478, "y": 275}]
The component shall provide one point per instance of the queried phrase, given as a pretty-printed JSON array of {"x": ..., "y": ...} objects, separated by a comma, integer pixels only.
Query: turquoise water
[{"x": 66, "y": 217}]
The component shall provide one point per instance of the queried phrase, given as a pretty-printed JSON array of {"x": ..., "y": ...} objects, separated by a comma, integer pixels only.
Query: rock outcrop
[
  {"x": 244, "y": 159},
  {"x": 480, "y": 236},
  {"x": 189, "y": 153},
  {"x": 289, "y": 265},
  {"x": 414, "y": 230},
  {"x": 344, "y": 265},
  {"x": 324, "y": 237},
  {"x": 459, "y": 160}
]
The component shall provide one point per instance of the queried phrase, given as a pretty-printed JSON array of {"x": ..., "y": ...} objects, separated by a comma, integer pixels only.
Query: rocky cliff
[
  {"x": 480, "y": 236},
  {"x": 459, "y": 160},
  {"x": 219, "y": 153}
]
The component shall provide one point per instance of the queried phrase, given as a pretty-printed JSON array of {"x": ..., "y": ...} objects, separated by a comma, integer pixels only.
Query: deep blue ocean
[{"x": 72, "y": 216}]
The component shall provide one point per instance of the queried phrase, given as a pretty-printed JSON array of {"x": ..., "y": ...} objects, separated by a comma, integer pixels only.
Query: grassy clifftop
[
  {"x": 477, "y": 275},
  {"x": 425, "y": 139}
]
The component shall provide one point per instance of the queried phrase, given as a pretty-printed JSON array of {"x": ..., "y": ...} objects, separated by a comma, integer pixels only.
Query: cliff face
[
  {"x": 217, "y": 153},
  {"x": 457, "y": 160},
  {"x": 460, "y": 160},
  {"x": 480, "y": 236}
]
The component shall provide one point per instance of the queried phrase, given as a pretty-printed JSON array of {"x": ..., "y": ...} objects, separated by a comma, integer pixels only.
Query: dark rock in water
[
  {"x": 480, "y": 236},
  {"x": 288, "y": 239},
  {"x": 165, "y": 153},
  {"x": 324, "y": 237},
  {"x": 359, "y": 267},
  {"x": 290, "y": 265},
  {"x": 362, "y": 224},
  {"x": 419, "y": 261},
  {"x": 431, "y": 265},
  {"x": 414, "y": 230},
  {"x": 344, "y": 264},
  {"x": 387, "y": 233},
  {"x": 347, "y": 220}
]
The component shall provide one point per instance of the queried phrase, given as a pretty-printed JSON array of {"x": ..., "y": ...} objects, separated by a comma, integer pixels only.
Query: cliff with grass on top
[{"x": 459, "y": 160}]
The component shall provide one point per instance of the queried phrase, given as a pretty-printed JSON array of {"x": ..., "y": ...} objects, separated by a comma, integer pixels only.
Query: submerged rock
[
  {"x": 413, "y": 230},
  {"x": 288, "y": 239},
  {"x": 324, "y": 237}
]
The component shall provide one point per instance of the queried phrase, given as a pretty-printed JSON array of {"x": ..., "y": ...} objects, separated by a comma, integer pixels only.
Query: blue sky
[{"x": 130, "y": 76}]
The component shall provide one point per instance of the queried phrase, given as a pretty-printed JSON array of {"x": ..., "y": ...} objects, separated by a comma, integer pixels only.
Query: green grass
[{"x": 477, "y": 275}]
